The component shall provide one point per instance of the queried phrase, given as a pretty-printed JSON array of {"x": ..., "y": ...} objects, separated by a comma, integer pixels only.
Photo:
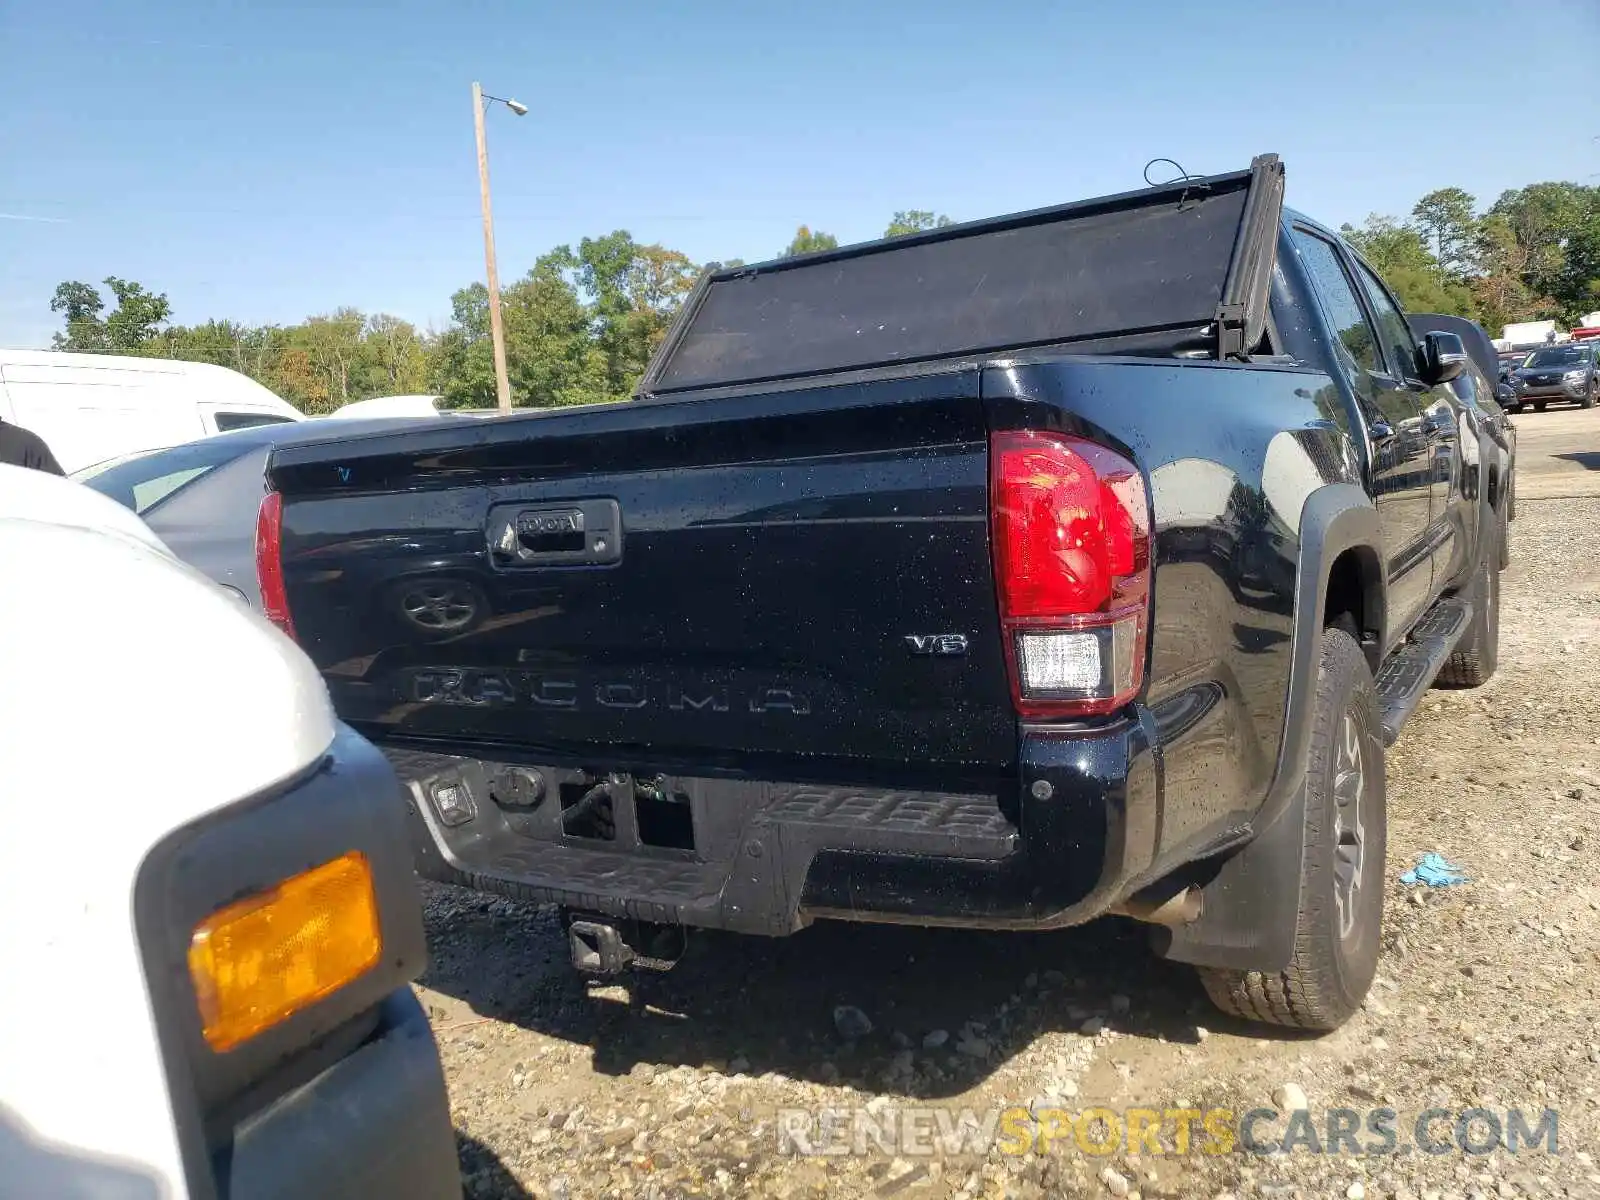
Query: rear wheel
[
  {"x": 1474, "y": 659},
  {"x": 1343, "y": 847}
]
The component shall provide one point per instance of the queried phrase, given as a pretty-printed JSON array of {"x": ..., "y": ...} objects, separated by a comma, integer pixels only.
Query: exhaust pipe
[{"x": 1179, "y": 908}]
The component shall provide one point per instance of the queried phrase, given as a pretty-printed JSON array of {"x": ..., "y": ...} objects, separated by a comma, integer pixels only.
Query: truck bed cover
[{"x": 1165, "y": 258}]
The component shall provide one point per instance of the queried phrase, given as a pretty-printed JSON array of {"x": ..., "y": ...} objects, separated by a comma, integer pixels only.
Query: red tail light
[
  {"x": 269, "y": 562},
  {"x": 1071, "y": 533}
]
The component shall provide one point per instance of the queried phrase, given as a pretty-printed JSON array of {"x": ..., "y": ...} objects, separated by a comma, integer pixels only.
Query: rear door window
[
  {"x": 1357, "y": 337},
  {"x": 142, "y": 481}
]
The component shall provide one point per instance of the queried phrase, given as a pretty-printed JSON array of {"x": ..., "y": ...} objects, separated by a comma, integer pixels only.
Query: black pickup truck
[{"x": 1075, "y": 562}]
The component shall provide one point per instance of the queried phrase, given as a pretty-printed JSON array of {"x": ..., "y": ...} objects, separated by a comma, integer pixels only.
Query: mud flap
[
  {"x": 1250, "y": 908},
  {"x": 1248, "y": 913}
]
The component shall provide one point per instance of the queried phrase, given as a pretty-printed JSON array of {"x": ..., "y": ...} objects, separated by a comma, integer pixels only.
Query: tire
[
  {"x": 1343, "y": 847},
  {"x": 1540, "y": 405},
  {"x": 1505, "y": 536},
  {"x": 1476, "y": 655},
  {"x": 1588, "y": 398}
]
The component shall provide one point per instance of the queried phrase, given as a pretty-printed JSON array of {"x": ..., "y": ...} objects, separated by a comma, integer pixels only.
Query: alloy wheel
[{"x": 1349, "y": 833}]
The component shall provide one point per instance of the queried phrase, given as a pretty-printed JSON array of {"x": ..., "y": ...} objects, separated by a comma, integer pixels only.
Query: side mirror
[{"x": 1440, "y": 357}]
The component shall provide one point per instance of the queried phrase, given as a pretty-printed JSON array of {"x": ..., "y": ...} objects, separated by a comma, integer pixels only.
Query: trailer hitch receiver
[
  {"x": 598, "y": 949},
  {"x": 604, "y": 947}
]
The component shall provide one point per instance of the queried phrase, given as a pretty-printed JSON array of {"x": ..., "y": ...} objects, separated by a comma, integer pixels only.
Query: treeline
[
  {"x": 1534, "y": 254},
  {"x": 580, "y": 327},
  {"x": 581, "y": 324}
]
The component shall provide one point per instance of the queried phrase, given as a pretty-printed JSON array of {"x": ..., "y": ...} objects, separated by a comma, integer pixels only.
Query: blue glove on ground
[{"x": 1435, "y": 871}]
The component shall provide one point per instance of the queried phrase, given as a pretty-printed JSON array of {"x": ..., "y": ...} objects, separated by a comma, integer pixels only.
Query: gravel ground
[{"x": 1488, "y": 996}]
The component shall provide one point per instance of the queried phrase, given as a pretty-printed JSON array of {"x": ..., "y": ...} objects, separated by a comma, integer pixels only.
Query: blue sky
[{"x": 263, "y": 161}]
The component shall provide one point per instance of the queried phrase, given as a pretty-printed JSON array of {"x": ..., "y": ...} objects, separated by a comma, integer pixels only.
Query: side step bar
[{"x": 1409, "y": 671}]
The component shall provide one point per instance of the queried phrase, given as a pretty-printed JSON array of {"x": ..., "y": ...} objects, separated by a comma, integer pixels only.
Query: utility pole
[{"x": 502, "y": 382}]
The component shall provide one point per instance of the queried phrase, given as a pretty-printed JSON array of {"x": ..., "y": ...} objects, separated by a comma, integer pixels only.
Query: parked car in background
[
  {"x": 208, "y": 938},
  {"x": 91, "y": 407},
  {"x": 1004, "y": 575},
  {"x": 1505, "y": 390},
  {"x": 1505, "y": 393},
  {"x": 203, "y": 498},
  {"x": 1558, "y": 374}
]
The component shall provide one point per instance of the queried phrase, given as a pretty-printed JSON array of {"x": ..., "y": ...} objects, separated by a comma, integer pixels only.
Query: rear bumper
[
  {"x": 1069, "y": 836},
  {"x": 376, "y": 1123}
]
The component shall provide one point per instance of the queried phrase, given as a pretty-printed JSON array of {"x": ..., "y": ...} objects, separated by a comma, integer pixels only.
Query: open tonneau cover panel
[{"x": 1190, "y": 255}]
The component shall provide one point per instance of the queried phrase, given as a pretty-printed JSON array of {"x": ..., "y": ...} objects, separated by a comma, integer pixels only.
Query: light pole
[{"x": 502, "y": 383}]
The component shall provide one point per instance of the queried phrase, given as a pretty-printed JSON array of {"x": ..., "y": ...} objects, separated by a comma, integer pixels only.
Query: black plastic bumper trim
[
  {"x": 376, "y": 1123},
  {"x": 1085, "y": 802},
  {"x": 1089, "y": 820}
]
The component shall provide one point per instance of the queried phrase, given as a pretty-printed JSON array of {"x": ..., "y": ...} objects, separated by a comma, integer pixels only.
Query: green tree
[
  {"x": 332, "y": 346},
  {"x": 1576, "y": 286},
  {"x": 292, "y": 376},
  {"x": 552, "y": 354},
  {"x": 461, "y": 367},
  {"x": 218, "y": 342},
  {"x": 1500, "y": 269},
  {"x": 80, "y": 306},
  {"x": 1445, "y": 219},
  {"x": 808, "y": 241},
  {"x": 394, "y": 358},
  {"x": 1543, "y": 216},
  {"x": 601, "y": 269},
  {"x": 137, "y": 319},
  {"x": 916, "y": 220},
  {"x": 633, "y": 292},
  {"x": 131, "y": 327}
]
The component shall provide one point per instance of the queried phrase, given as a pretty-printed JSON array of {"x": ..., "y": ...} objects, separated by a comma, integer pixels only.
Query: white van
[{"x": 91, "y": 407}]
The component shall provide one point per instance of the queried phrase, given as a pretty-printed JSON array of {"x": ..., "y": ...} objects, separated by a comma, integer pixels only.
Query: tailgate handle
[{"x": 577, "y": 534}]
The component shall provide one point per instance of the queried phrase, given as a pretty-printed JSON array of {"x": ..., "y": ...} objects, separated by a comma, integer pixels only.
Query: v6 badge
[{"x": 937, "y": 645}]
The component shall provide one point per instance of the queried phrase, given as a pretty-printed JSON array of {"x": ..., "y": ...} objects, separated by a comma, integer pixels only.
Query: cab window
[
  {"x": 1349, "y": 320},
  {"x": 239, "y": 420}
]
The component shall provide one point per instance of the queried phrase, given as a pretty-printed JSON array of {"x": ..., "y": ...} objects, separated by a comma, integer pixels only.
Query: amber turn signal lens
[{"x": 262, "y": 959}]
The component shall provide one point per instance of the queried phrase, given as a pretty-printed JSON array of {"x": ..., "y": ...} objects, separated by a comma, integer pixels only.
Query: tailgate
[{"x": 801, "y": 573}]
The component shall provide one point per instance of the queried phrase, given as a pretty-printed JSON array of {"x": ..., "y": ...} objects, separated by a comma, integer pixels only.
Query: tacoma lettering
[{"x": 479, "y": 688}]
